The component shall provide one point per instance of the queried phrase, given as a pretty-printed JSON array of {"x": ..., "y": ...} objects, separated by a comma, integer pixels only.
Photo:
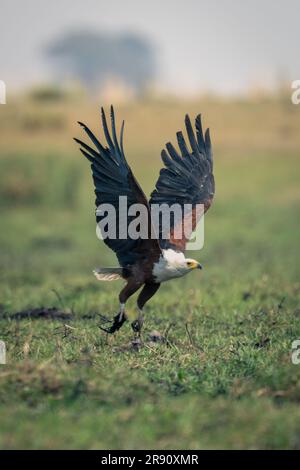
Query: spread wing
[
  {"x": 113, "y": 178},
  {"x": 187, "y": 179}
]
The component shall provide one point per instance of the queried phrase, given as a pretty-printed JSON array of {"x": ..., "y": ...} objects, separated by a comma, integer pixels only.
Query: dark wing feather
[
  {"x": 186, "y": 179},
  {"x": 113, "y": 178}
]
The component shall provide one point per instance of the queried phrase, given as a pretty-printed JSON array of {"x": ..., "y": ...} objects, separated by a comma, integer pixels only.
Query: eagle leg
[
  {"x": 131, "y": 287},
  {"x": 146, "y": 293}
]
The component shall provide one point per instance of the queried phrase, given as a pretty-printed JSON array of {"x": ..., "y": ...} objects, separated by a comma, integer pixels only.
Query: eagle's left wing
[
  {"x": 186, "y": 179},
  {"x": 114, "y": 179}
]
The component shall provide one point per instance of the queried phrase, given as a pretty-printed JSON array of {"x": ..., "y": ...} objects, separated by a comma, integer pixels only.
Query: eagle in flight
[{"x": 186, "y": 179}]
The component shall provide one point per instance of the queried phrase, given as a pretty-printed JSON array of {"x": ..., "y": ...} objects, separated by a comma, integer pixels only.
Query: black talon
[
  {"x": 137, "y": 324},
  {"x": 118, "y": 321}
]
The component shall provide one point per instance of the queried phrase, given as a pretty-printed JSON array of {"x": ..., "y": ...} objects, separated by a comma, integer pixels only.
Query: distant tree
[{"x": 95, "y": 57}]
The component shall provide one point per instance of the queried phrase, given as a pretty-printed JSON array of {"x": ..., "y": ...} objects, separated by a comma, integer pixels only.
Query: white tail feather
[{"x": 108, "y": 274}]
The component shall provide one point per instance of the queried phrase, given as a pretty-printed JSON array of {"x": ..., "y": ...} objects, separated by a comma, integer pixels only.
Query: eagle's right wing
[{"x": 188, "y": 181}]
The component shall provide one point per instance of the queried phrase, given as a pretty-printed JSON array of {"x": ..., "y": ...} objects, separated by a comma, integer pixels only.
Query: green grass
[{"x": 224, "y": 378}]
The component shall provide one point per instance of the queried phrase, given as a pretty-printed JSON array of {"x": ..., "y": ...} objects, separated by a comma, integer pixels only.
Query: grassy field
[{"x": 223, "y": 378}]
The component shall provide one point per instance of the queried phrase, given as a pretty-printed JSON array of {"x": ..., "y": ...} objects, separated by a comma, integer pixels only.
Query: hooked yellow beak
[{"x": 195, "y": 265}]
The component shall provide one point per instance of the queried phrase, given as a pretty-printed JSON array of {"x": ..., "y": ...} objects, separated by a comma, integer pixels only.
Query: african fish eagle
[{"x": 187, "y": 178}]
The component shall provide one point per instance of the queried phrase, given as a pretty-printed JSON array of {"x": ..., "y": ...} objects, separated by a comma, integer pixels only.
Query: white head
[{"x": 177, "y": 260}]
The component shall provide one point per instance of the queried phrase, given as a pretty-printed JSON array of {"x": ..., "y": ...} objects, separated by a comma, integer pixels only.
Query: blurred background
[
  {"x": 232, "y": 61},
  {"x": 184, "y": 48}
]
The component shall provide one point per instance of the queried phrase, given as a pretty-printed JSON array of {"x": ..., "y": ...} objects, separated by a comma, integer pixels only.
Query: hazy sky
[{"x": 222, "y": 45}]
